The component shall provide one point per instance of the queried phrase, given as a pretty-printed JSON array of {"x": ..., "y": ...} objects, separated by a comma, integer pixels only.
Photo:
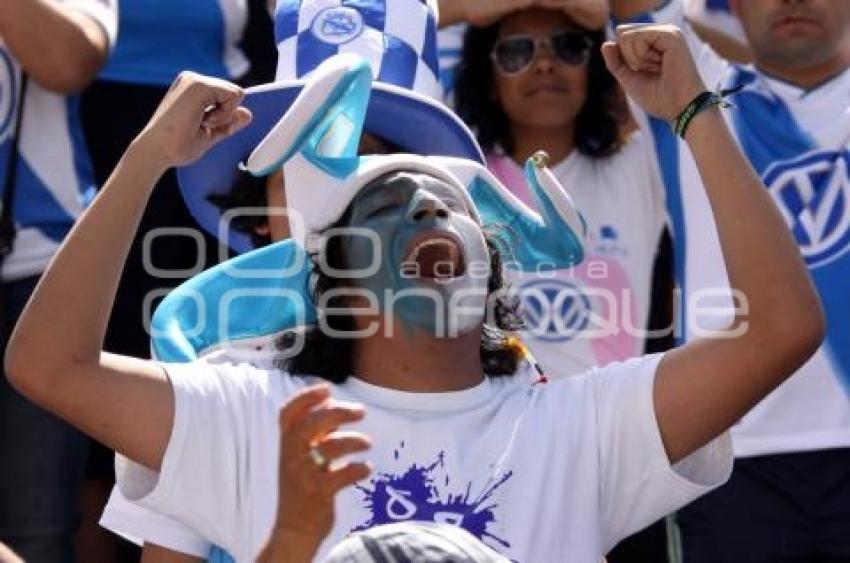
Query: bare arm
[
  {"x": 478, "y": 12},
  {"x": 592, "y": 14},
  {"x": 55, "y": 356},
  {"x": 152, "y": 553},
  {"x": 62, "y": 48},
  {"x": 706, "y": 386},
  {"x": 624, "y": 10},
  {"x": 7, "y": 556}
]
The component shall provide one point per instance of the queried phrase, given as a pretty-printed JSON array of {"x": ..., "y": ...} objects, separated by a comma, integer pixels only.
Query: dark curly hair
[
  {"x": 331, "y": 358},
  {"x": 597, "y": 128},
  {"x": 247, "y": 191}
]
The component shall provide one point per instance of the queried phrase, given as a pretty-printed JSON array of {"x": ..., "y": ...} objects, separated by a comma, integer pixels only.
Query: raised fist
[
  {"x": 655, "y": 67},
  {"x": 196, "y": 112}
]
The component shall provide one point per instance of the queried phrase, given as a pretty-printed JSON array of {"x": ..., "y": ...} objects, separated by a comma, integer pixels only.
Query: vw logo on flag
[
  {"x": 8, "y": 81},
  {"x": 338, "y": 25},
  {"x": 554, "y": 310},
  {"x": 813, "y": 194}
]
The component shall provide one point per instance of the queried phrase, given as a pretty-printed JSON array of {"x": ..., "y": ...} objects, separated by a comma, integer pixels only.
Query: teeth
[
  {"x": 447, "y": 267},
  {"x": 416, "y": 250},
  {"x": 452, "y": 248}
]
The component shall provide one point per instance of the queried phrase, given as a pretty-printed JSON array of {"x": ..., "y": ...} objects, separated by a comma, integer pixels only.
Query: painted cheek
[
  {"x": 475, "y": 251},
  {"x": 360, "y": 254},
  {"x": 378, "y": 255}
]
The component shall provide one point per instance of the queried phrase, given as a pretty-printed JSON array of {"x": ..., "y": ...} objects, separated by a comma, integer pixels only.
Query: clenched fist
[
  {"x": 655, "y": 67},
  {"x": 196, "y": 112}
]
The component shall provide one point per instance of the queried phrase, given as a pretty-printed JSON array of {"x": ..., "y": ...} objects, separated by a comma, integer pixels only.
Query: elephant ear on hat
[{"x": 316, "y": 142}]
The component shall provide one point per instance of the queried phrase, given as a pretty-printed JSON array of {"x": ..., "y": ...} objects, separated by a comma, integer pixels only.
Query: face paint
[{"x": 425, "y": 261}]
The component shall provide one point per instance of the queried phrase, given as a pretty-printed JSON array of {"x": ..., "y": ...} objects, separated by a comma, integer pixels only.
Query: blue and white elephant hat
[
  {"x": 316, "y": 145},
  {"x": 397, "y": 38},
  {"x": 265, "y": 291}
]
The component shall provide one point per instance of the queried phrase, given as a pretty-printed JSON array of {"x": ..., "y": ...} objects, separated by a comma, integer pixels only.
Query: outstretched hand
[
  {"x": 654, "y": 66},
  {"x": 312, "y": 470},
  {"x": 196, "y": 112}
]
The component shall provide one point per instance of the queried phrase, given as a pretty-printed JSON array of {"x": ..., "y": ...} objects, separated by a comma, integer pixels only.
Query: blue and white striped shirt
[
  {"x": 160, "y": 39},
  {"x": 799, "y": 142},
  {"x": 53, "y": 176}
]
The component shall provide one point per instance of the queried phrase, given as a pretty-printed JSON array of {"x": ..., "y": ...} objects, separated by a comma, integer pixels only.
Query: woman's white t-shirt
[{"x": 596, "y": 312}]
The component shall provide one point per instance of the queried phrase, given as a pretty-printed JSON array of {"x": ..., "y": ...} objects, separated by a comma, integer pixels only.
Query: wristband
[{"x": 702, "y": 102}]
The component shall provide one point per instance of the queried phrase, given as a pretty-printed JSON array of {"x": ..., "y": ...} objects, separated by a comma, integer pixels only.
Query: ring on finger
[{"x": 318, "y": 457}]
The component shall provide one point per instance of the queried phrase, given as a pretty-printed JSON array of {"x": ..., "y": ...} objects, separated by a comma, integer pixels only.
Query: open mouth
[{"x": 436, "y": 257}]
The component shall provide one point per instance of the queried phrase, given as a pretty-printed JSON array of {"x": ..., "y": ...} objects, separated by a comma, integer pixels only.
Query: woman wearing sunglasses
[{"x": 536, "y": 80}]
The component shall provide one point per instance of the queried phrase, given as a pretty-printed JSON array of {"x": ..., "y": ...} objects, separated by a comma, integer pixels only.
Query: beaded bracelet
[{"x": 702, "y": 102}]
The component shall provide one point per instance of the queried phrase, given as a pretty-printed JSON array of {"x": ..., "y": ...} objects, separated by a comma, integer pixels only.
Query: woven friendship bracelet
[{"x": 702, "y": 102}]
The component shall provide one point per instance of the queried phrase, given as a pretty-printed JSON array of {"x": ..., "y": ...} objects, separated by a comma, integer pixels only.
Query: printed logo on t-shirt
[
  {"x": 609, "y": 243},
  {"x": 554, "y": 310},
  {"x": 338, "y": 25},
  {"x": 813, "y": 194},
  {"x": 7, "y": 94},
  {"x": 424, "y": 493},
  {"x": 608, "y": 232}
]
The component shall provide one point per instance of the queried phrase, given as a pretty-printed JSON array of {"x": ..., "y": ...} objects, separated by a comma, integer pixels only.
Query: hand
[
  {"x": 484, "y": 12},
  {"x": 655, "y": 67},
  {"x": 590, "y": 14},
  {"x": 196, "y": 112},
  {"x": 306, "y": 489}
]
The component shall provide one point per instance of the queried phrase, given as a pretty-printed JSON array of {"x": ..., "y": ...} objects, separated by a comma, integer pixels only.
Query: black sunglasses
[{"x": 513, "y": 55}]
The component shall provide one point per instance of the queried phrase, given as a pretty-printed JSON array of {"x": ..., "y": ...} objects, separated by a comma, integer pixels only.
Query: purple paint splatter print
[{"x": 415, "y": 495}]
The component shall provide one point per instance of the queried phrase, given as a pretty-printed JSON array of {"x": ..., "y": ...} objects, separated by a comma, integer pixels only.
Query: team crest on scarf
[{"x": 813, "y": 194}]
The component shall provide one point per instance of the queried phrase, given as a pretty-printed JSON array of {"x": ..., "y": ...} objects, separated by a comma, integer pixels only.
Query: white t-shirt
[
  {"x": 716, "y": 15},
  {"x": 546, "y": 472},
  {"x": 597, "y": 312},
  {"x": 799, "y": 142},
  {"x": 53, "y": 177}
]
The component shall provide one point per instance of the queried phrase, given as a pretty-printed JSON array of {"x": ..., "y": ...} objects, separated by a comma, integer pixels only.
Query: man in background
[{"x": 789, "y": 494}]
